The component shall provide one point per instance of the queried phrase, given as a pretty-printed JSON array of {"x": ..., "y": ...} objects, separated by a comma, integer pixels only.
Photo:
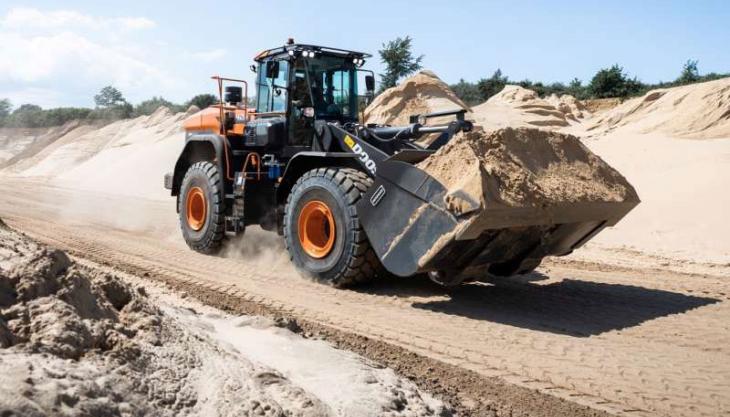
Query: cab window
[{"x": 272, "y": 92}]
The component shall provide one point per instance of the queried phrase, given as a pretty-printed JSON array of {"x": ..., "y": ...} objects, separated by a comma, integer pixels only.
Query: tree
[
  {"x": 690, "y": 73},
  {"x": 5, "y": 108},
  {"x": 111, "y": 105},
  {"x": 467, "y": 92},
  {"x": 27, "y": 115},
  {"x": 399, "y": 61},
  {"x": 108, "y": 97},
  {"x": 492, "y": 85},
  {"x": 613, "y": 82},
  {"x": 203, "y": 101}
]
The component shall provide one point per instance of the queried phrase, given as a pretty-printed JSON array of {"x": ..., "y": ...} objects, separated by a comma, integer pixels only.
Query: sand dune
[
  {"x": 17, "y": 144},
  {"x": 419, "y": 94},
  {"x": 127, "y": 157},
  {"x": 515, "y": 106},
  {"x": 699, "y": 111}
]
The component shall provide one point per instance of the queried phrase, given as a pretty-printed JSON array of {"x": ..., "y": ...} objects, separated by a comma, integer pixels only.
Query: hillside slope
[{"x": 698, "y": 111}]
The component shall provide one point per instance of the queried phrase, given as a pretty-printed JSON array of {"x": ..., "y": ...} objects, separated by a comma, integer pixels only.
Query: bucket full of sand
[{"x": 496, "y": 201}]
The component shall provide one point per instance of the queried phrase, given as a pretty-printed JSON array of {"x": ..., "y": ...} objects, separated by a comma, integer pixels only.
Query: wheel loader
[{"x": 347, "y": 197}]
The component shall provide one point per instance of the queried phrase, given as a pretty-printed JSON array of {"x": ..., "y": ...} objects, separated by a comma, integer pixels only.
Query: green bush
[
  {"x": 148, "y": 107},
  {"x": 467, "y": 92},
  {"x": 203, "y": 101},
  {"x": 613, "y": 82},
  {"x": 492, "y": 85}
]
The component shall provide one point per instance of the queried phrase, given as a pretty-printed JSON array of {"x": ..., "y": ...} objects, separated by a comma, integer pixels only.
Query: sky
[{"x": 61, "y": 53}]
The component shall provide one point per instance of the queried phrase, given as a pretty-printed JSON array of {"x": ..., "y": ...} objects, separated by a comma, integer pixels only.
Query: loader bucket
[{"x": 412, "y": 229}]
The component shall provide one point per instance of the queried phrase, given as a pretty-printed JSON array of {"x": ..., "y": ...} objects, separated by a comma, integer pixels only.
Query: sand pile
[
  {"x": 571, "y": 107},
  {"x": 21, "y": 143},
  {"x": 77, "y": 341},
  {"x": 419, "y": 94},
  {"x": 600, "y": 105},
  {"x": 128, "y": 157},
  {"x": 523, "y": 168},
  {"x": 515, "y": 106},
  {"x": 72, "y": 340},
  {"x": 699, "y": 111}
]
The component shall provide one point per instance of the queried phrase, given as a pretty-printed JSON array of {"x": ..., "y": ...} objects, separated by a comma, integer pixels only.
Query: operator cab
[{"x": 297, "y": 84}]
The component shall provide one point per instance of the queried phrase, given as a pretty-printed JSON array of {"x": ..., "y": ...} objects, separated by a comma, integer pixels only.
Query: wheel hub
[
  {"x": 196, "y": 208},
  {"x": 316, "y": 227}
]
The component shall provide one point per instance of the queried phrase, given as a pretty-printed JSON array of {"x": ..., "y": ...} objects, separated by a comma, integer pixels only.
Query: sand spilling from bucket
[
  {"x": 420, "y": 94},
  {"x": 523, "y": 167},
  {"x": 700, "y": 111}
]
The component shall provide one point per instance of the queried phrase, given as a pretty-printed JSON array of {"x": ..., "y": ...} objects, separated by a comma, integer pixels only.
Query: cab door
[
  {"x": 272, "y": 85},
  {"x": 301, "y": 129}
]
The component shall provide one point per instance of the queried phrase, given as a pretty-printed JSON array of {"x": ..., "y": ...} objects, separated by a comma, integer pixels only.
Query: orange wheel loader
[{"x": 346, "y": 197}]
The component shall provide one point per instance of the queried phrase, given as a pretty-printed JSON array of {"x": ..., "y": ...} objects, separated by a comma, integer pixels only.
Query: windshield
[{"x": 333, "y": 84}]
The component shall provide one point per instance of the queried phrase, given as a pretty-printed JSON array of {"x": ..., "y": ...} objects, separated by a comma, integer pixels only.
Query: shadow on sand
[{"x": 569, "y": 307}]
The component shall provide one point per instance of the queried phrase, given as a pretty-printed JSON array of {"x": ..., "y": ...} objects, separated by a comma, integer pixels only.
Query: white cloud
[
  {"x": 38, "y": 58},
  {"x": 136, "y": 22},
  {"x": 211, "y": 55},
  {"x": 59, "y": 55},
  {"x": 25, "y": 18}
]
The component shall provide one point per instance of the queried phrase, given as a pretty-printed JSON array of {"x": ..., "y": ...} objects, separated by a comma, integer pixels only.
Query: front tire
[
  {"x": 322, "y": 230},
  {"x": 201, "y": 208}
]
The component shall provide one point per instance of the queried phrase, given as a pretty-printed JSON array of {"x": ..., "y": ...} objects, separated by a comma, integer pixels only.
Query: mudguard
[
  {"x": 305, "y": 161},
  {"x": 216, "y": 151}
]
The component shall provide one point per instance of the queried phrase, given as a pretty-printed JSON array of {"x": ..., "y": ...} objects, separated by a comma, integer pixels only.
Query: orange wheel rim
[
  {"x": 197, "y": 208},
  {"x": 316, "y": 228}
]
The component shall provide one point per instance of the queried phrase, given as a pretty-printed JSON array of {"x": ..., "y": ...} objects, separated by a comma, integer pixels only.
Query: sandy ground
[
  {"x": 80, "y": 340},
  {"x": 596, "y": 335}
]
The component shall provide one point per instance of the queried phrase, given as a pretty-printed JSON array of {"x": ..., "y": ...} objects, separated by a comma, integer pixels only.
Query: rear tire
[
  {"x": 338, "y": 252},
  {"x": 201, "y": 208}
]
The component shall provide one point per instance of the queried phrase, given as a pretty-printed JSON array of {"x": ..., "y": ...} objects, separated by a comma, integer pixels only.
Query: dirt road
[{"x": 625, "y": 341}]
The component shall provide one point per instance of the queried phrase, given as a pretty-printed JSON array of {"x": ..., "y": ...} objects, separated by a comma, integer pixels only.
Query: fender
[
  {"x": 305, "y": 161},
  {"x": 202, "y": 147}
]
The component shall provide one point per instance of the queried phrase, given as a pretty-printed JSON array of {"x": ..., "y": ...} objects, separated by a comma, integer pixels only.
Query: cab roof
[{"x": 297, "y": 48}]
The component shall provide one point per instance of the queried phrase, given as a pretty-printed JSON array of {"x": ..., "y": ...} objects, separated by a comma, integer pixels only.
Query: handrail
[{"x": 220, "y": 80}]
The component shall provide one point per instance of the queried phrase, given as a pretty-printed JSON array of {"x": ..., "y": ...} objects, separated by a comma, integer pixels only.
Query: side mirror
[
  {"x": 272, "y": 69},
  {"x": 370, "y": 83},
  {"x": 253, "y": 68}
]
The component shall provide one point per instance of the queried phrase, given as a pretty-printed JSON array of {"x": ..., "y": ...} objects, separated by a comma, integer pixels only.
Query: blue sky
[{"x": 61, "y": 53}]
